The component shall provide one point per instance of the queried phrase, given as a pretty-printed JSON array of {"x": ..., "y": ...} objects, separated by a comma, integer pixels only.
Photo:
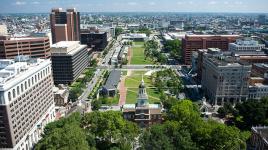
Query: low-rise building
[
  {"x": 135, "y": 36},
  {"x": 111, "y": 85},
  {"x": 245, "y": 45},
  {"x": 61, "y": 94}
]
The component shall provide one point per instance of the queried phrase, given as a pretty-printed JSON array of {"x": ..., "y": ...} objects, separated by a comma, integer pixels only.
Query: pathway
[{"x": 122, "y": 91}]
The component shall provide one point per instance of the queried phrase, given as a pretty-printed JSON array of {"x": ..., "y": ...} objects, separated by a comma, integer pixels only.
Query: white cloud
[
  {"x": 20, "y": 3},
  {"x": 132, "y": 3},
  {"x": 191, "y": 2}
]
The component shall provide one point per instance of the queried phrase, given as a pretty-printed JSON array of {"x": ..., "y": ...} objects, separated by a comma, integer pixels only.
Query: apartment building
[
  {"x": 224, "y": 78},
  {"x": 35, "y": 47},
  {"x": 69, "y": 60},
  {"x": 26, "y": 102}
]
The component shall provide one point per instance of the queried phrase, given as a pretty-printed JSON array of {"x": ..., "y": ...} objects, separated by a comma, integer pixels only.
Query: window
[
  {"x": 2, "y": 98},
  {"x": 13, "y": 93},
  {"x": 18, "y": 90},
  {"x": 9, "y": 96},
  {"x": 29, "y": 83},
  {"x": 21, "y": 86},
  {"x": 25, "y": 84},
  {"x": 35, "y": 78}
]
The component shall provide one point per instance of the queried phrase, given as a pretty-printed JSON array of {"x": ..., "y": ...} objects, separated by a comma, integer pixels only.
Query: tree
[
  {"x": 227, "y": 109},
  {"x": 206, "y": 134},
  {"x": 169, "y": 135},
  {"x": 96, "y": 104},
  {"x": 65, "y": 134},
  {"x": 118, "y": 31},
  {"x": 252, "y": 113},
  {"x": 174, "y": 47},
  {"x": 93, "y": 63},
  {"x": 110, "y": 128}
]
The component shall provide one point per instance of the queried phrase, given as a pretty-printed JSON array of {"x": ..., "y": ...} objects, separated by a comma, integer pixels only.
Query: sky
[{"x": 29, "y": 6}]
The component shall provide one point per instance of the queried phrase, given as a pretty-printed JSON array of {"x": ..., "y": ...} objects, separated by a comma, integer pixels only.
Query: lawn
[
  {"x": 138, "y": 57},
  {"x": 139, "y": 43},
  {"x": 132, "y": 82},
  {"x": 113, "y": 100}
]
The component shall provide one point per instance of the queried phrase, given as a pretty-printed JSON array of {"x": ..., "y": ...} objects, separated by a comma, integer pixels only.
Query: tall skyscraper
[
  {"x": 65, "y": 26},
  {"x": 26, "y": 101}
]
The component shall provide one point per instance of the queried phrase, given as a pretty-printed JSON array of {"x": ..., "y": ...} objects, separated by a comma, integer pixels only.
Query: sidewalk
[{"x": 123, "y": 92}]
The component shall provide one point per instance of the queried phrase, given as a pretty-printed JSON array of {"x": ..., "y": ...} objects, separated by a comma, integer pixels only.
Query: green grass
[
  {"x": 131, "y": 97},
  {"x": 138, "y": 57},
  {"x": 113, "y": 100},
  {"x": 139, "y": 43},
  {"x": 132, "y": 82}
]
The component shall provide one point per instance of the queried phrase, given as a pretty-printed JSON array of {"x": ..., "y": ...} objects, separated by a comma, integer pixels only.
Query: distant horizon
[
  {"x": 142, "y": 12},
  {"x": 188, "y": 6}
]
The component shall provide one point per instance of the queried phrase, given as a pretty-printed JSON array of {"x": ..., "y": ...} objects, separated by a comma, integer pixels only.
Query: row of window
[{"x": 20, "y": 89}]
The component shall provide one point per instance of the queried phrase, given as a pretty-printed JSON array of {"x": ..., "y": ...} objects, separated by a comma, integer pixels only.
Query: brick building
[
  {"x": 35, "y": 47},
  {"x": 195, "y": 42}
]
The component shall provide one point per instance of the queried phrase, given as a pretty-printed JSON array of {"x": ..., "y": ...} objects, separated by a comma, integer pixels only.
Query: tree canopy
[
  {"x": 185, "y": 129},
  {"x": 96, "y": 130}
]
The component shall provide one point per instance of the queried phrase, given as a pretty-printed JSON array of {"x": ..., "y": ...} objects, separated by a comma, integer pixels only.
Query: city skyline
[{"x": 38, "y": 6}]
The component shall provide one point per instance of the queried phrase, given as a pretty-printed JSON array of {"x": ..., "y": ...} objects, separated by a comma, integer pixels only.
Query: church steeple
[{"x": 142, "y": 97}]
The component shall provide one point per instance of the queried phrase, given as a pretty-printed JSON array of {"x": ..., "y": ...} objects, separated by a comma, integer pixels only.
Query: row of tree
[
  {"x": 152, "y": 51},
  {"x": 183, "y": 129},
  {"x": 77, "y": 88},
  {"x": 247, "y": 114}
]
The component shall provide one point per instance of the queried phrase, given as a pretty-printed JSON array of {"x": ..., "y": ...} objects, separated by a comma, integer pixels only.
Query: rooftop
[
  {"x": 11, "y": 69},
  {"x": 66, "y": 47},
  {"x": 113, "y": 80},
  {"x": 222, "y": 59}
]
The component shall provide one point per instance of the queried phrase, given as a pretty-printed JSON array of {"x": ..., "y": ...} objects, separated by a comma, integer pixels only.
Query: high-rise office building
[
  {"x": 195, "y": 42},
  {"x": 65, "y": 26},
  {"x": 35, "y": 47},
  {"x": 26, "y": 102},
  {"x": 69, "y": 60},
  {"x": 224, "y": 78}
]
